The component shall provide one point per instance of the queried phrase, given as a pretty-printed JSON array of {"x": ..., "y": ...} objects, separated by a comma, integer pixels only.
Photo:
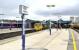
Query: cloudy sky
[{"x": 37, "y": 9}]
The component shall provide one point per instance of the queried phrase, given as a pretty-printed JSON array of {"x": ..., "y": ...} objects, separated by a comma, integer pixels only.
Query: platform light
[{"x": 50, "y": 6}]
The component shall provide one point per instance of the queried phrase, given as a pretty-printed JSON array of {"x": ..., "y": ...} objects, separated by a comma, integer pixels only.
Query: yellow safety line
[{"x": 74, "y": 42}]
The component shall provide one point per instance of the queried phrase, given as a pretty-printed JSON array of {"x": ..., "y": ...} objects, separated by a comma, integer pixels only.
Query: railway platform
[{"x": 42, "y": 39}]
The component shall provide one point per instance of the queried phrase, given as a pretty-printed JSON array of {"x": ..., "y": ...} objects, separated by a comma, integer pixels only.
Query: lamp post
[
  {"x": 50, "y": 6},
  {"x": 2, "y": 21},
  {"x": 17, "y": 23},
  {"x": 59, "y": 22}
]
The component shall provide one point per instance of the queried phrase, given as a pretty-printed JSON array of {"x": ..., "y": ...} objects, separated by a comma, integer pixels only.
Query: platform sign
[
  {"x": 23, "y": 9},
  {"x": 23, "y": 12}
]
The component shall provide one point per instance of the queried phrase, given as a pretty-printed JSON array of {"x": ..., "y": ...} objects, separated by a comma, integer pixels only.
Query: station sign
[{"x": 23, "y": 9}]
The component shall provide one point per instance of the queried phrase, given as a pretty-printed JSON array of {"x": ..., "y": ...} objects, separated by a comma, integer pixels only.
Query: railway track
[
  {"x": 13, "y": 34},
  {"x": 77, "y": 30}
]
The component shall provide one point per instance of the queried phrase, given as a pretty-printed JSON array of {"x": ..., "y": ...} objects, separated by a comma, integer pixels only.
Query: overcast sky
[{"x": 38, "y": 10}]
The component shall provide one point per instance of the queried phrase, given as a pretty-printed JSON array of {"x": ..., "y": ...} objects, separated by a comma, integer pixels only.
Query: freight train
[{"x": 75, "y": 26}]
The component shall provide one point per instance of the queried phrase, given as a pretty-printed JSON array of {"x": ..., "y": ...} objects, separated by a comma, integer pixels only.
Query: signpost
[{"x": 23, "y": 11}]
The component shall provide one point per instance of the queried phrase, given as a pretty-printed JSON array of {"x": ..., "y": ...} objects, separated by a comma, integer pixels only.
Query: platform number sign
[
  {"x": 23, "y": 12},
  {"x": 23, "y": 9}
]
